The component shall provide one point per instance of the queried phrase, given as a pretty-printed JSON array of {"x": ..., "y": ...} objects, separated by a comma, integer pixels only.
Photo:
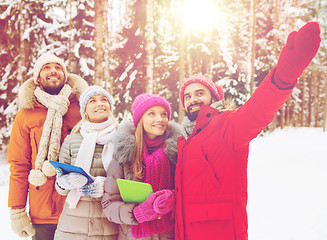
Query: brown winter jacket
[
  {"x": 87, "y": 221},
  {"x": 45, "y": 203}
]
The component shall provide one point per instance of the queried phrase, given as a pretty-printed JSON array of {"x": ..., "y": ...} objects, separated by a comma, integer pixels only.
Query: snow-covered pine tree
[{"x": 24, "y": 26}]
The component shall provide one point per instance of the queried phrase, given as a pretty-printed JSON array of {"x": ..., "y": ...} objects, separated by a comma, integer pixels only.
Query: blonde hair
[{"x": 137, "y": 161}]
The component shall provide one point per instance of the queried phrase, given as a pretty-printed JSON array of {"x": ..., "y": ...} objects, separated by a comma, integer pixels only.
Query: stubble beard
[
  {"x": 52, "y": 89},
  {"x": 193, "y": 115}
]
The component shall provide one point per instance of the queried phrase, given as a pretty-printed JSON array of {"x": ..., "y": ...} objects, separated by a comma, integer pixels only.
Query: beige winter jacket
[
  {"x": 114, "y": 208},
  {"x": 87, "y": 220}
]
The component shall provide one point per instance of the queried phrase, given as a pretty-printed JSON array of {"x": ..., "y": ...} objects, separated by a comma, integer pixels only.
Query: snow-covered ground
[
  {"x": 287, "y": 187},
  {"x": 287, "y": 174}
]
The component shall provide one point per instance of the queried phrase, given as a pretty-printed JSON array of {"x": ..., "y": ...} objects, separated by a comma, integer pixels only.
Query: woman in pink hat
[{"x": 145, "y": 151}]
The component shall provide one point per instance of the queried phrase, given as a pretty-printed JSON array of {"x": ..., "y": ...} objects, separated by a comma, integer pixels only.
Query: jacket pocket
[
  {"x": 45, "y": 202},
  {"x": 209, "y": 212},
  {"x": 205, "y": 221},
  {"x": 216, "y": 179}
]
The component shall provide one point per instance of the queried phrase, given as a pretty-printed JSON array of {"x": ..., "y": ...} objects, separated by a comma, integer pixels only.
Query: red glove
[
  {"x": 165, "y": 202},
  {"x": 297, "y": 54}
]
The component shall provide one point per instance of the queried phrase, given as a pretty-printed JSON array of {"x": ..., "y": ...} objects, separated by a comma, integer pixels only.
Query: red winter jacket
[{"x": 211, "y": 171}]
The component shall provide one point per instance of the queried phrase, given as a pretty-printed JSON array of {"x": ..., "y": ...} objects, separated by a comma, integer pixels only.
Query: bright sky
[{"x": 201, "y": 15}]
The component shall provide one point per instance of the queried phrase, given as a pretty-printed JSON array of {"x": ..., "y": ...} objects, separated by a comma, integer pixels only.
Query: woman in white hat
[{"x": 89, "y": 147}]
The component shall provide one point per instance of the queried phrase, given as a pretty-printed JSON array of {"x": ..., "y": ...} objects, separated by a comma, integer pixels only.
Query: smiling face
[
  {"x": 155, "y": 121},
  {"x": 195, "y": 95},
  {"x": 51, "y": 78},
  {"x": 98, "y": 109}
]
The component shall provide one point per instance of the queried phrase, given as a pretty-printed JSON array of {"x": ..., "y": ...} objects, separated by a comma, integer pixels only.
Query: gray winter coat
[
  {"x": 114, "y": 208},
  {"x": 87, "y": 220}
]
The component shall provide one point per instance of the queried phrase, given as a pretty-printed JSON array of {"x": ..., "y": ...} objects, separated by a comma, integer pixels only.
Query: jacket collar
[
  {"x": 204, "y": 117},
  {"x": 207, "y": 112},
  {"x": 26, "y": 98},
  {"x": 124, "y": 142}
]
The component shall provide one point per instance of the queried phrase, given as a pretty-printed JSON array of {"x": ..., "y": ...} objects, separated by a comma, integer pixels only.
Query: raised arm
[{"x": 275, "y": 89}]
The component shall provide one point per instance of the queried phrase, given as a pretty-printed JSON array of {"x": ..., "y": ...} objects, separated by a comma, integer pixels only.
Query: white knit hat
[
  {"x": 90, "y": 92},
  {"x": 45, "y": 59}
]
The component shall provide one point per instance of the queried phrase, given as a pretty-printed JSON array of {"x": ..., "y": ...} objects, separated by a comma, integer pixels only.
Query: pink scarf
[{"x": 158, "y": 174}]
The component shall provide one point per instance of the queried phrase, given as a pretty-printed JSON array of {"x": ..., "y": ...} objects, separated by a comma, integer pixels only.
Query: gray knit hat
[
  {"x": 45, "y": 59},
  {"x": 90, "y": 92}
]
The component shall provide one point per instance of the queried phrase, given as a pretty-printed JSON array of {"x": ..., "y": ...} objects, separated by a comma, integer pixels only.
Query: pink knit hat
[
  {"x": 146, "y": 101},
  {"x": 216, "y": 90}
]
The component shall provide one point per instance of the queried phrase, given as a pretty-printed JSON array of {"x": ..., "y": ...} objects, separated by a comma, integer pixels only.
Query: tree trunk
[
  {"x": 187, "y": 53},
  {"x": 70, "y": 31},
  {"x": 106, "y": 55},
  {"x": 23, "y": 48},
  {"x": 182, "y": 46},
  {"x": 310, "y": 88},
  {"x": 252, "y": 57},
  {"x": 274, "y": 124},
  {"x": 98, "y": 41},
  {"x": 325, "y": 108},
  {"x": 303, "y": 99},
  {"x": 149, "y": 47}
]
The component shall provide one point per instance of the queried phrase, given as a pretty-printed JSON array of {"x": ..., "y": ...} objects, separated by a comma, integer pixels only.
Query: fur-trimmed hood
[
  {"x": 26, "y": 98},
  {"x": 124, "y": 142},
  {"x": 225, "y": 105}
]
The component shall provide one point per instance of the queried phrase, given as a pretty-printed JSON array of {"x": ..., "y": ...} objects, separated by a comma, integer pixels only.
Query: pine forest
[{"x": 131, "y": 47}]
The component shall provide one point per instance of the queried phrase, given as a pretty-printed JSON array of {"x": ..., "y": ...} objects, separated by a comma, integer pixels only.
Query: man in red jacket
[{"x": 211, "y": 171}]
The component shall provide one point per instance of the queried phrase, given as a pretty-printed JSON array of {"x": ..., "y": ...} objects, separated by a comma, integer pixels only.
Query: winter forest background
[{"x": 136, "y": 46}]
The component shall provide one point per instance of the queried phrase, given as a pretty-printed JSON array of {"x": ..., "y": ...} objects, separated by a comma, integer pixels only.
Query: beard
[
  {"x": 193, "y": 115},
  {"x": 49, "y": 87},
  {"x": 53, "y": 90}
]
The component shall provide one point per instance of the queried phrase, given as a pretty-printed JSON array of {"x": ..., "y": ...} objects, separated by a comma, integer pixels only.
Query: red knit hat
[
  {"x": 216, "y": 90},
  {"x": 146, "y": 101}
]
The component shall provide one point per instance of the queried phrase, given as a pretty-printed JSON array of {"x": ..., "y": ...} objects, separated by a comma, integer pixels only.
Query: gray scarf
[{"x": 188, "y": 126}]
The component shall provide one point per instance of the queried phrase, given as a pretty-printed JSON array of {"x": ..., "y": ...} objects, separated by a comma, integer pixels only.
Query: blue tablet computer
[{"x": 67, "y": 168}]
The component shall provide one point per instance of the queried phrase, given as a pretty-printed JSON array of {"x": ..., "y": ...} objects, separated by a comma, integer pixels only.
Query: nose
[
  {"x": 53, "y": 70},
  {"x": 193, "y": 99},
  {"x": 158, "y": 118},
  {"x": 99, "y": 103}
]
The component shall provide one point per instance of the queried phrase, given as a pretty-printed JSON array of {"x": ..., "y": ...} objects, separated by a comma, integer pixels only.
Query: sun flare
[{"x": 200, "y": 15}]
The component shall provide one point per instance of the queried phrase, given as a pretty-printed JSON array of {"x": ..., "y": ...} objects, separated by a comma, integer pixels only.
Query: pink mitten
[
  {"x": 145, "y": 212},
  {"x": 297, "y": 54},
  {"x": 165, "y": 202}
]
